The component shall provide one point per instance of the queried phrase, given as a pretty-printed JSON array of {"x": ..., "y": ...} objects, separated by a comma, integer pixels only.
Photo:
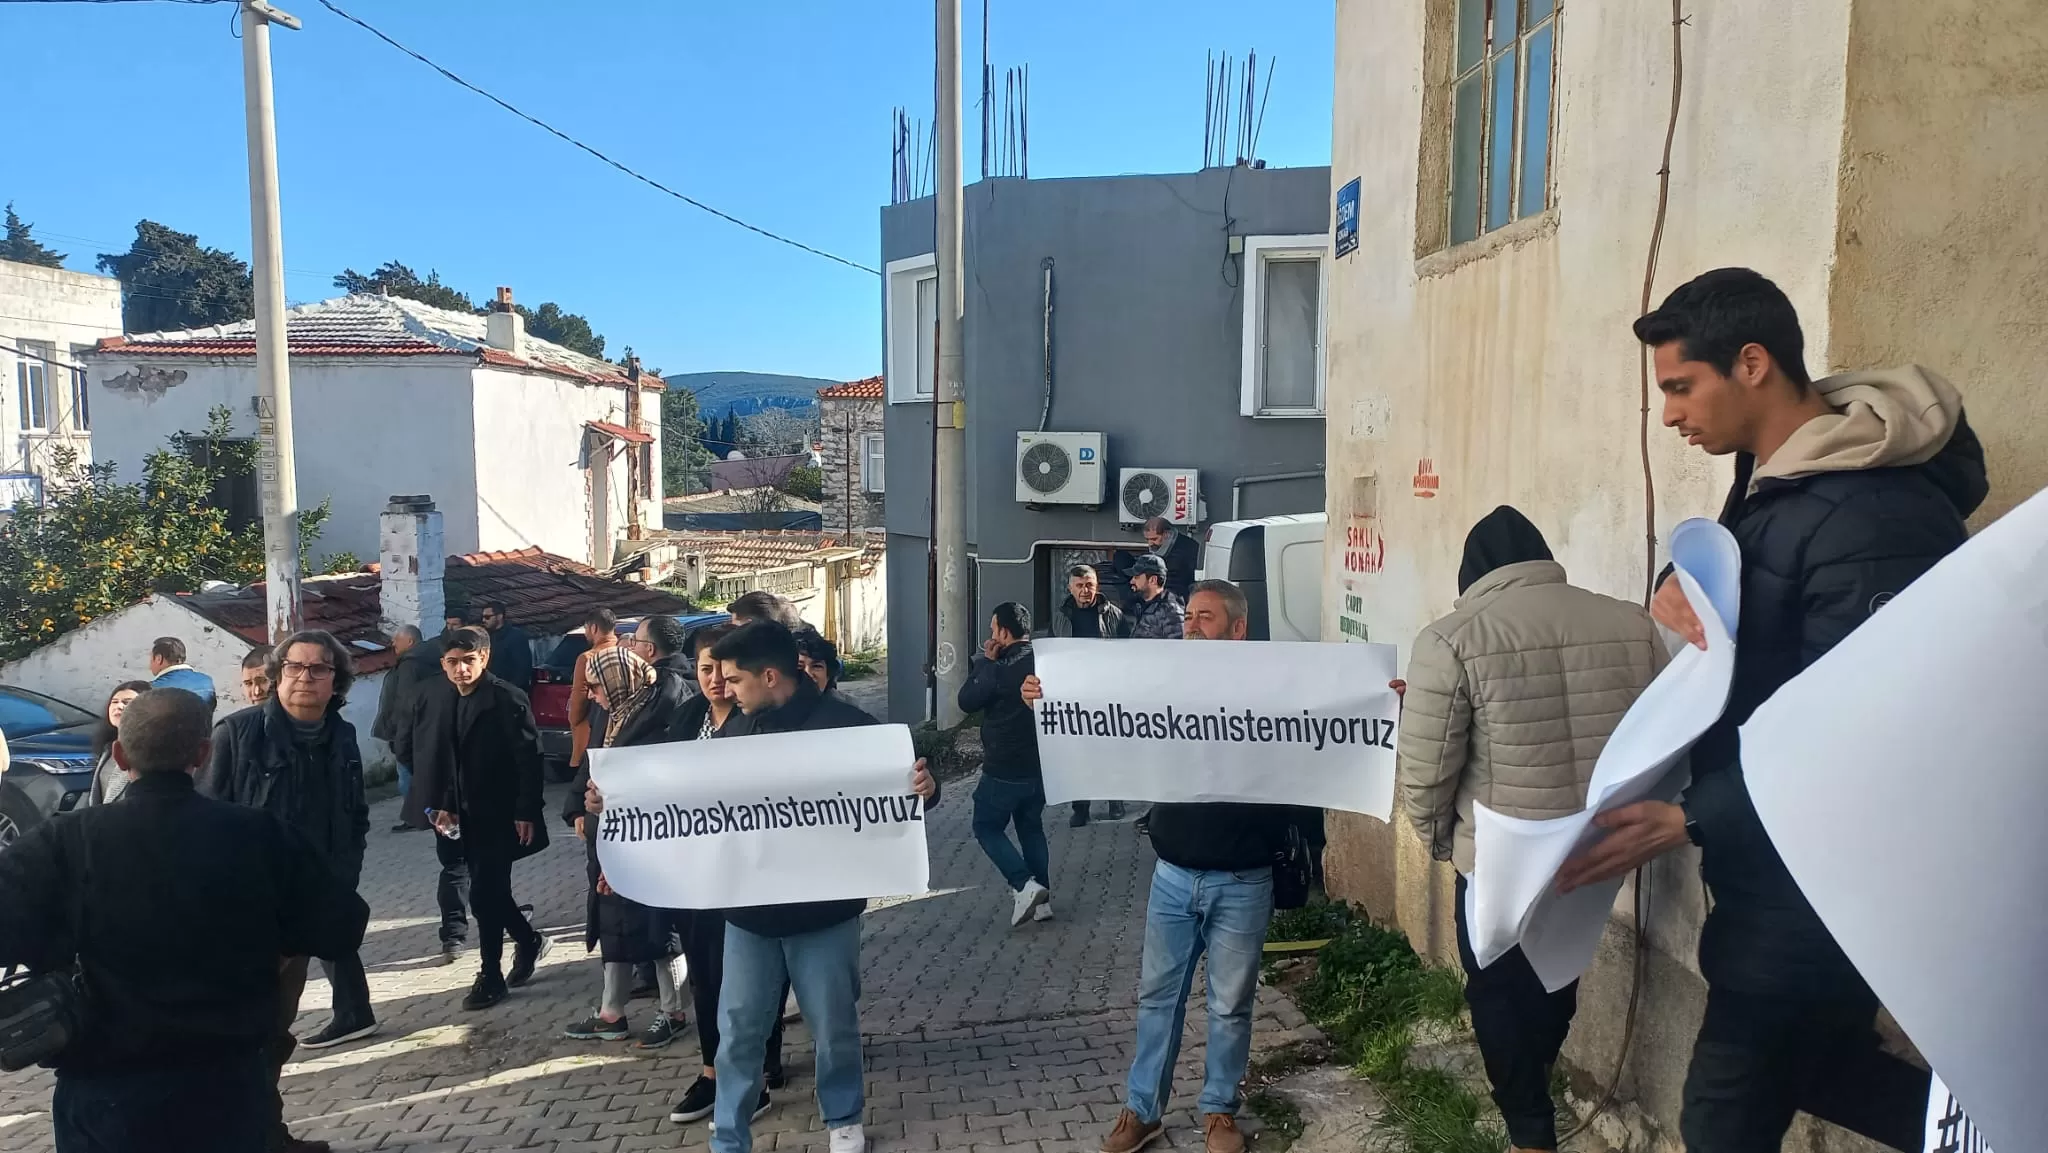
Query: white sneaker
[
  {"x": 1030, "y": 897},
  {"x": 1044, "y": 911},
  {"x": 849, "y": 1139}
]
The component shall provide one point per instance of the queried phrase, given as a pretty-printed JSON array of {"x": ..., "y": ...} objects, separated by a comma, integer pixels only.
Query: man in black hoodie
[
  {"x": 1212, "y": 893},
  {"x": 1011, "y": 789},
  {"x": 815, "y": 946},
  {"x": 1846, "y": 490}
]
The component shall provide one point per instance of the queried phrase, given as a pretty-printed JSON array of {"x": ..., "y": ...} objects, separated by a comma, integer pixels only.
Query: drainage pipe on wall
[{"x": 1237, "y": 486}]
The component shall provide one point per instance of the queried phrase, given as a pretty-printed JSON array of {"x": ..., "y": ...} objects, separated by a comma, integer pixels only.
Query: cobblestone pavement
[{"x": 979, "y": 1036}]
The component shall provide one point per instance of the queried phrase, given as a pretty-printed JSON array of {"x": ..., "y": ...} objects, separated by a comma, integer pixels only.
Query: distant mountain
[{"x": 749, "y": 392}]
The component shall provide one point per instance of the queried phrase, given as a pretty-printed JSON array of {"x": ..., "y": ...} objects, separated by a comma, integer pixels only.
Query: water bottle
[{"x": 453, "y": 832}]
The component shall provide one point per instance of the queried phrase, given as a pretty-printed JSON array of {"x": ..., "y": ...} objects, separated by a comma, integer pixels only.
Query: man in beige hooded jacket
[{"x": 1508, "y": 702}]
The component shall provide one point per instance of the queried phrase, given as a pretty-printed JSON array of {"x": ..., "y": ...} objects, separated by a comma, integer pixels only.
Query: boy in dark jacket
[
  {"x": 813, "y": 945},
  {"x": 1011, "y": 789},
  {"x": 1846, "y": 490},
  {"x": 476, "y": 759}
]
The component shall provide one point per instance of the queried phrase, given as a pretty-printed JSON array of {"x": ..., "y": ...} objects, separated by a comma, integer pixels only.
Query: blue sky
[{"x": 778, "y": 113}]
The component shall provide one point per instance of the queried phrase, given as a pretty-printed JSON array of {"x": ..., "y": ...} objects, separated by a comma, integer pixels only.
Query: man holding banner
[
  {"x": 1212, "y": 893},
  {"x": 814, "y": 946}
]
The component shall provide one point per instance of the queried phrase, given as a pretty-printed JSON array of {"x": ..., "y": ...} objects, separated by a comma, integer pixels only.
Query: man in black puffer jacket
[
  {"x": 1846, "y": 491},
  {"x": 1011, "y": 789}
]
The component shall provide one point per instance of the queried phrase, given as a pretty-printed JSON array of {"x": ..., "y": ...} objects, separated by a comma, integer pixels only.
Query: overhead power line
[{"x": 554, "y": 131}]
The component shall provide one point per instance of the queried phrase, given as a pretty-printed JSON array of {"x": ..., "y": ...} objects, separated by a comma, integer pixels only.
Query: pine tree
[{"x": 22, "y": 246}]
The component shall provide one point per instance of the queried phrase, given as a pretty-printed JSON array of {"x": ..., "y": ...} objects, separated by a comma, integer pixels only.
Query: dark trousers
[
  {"x": 453, "y": 889},
  {"x": 291, "y": 985},
  {"x": 351, "y": 988},
  {"x": 999, "y": 803},
  {"x": 1761, "y": 1059},
  {"x": 497, "y": 913},
  {"x": 204, "y": 1107},
  {"x": 703, "y": 934},
  {"x": 1520, "y": 1027}
]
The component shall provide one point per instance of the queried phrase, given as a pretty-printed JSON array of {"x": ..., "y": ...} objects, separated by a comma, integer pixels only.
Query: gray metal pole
[
  {"x": 956, "y": 606},
  {"x": 276, "y": 475}
]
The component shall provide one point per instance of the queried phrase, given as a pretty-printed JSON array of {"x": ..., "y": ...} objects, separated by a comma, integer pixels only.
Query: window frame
[
  {"x": 871, "y": 453},
  {"x": 899, "y": 326},
  {"x": 34, "y": 358},
  {"x": 1490, "y": 56},
  {"x": 81, "y": 397},
  {"x": 1259, "y": 252}
]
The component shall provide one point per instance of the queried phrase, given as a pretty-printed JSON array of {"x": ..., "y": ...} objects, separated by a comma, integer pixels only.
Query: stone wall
[{"x": 845, "y": 422}]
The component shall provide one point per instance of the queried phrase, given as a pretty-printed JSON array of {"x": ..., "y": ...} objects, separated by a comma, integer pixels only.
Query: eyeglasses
[{"x": 307, "y": 672}]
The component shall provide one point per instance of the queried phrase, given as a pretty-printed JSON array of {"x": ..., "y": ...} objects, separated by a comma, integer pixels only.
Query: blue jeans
[
  {"x": 217, "y": 1105},
  {"x": 996, "y": 804},
  {"x": 404, "y": 783},
  {"x": 824, "y": 969},
  {"x": 1193, "y": 911}
]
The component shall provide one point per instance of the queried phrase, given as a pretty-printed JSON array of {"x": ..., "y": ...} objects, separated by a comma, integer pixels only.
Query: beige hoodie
[{"x": 1882, "y": 418}]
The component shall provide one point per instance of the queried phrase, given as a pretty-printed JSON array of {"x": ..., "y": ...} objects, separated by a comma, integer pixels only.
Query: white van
[{"x": 1278, "y": 562}]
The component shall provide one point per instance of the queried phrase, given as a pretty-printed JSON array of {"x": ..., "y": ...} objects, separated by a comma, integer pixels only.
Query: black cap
[{"x": 1150, "y": 565}]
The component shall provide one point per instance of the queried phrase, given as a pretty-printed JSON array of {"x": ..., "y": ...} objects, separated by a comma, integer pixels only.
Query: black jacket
[
  {"x": 420, "y": 665},
  {"x": 658, "y": 720},
  {"x": 188, "y": 905},
  {"x": 1009, "y": 727},
  {"x": 512, "y": 657},
  {"x": 808, "y": 710},
  {"x": 487, "y": 772},
  {"x": 253, "y": 764},
  {"x": 1220, "y": 835},
  {"x": 1109, "y": 619},
  {"x": 1820, "y": 554}
]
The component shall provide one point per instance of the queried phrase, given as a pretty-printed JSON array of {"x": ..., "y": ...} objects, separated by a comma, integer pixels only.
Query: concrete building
[
  {"x": 850, "y": 448},
  {"x": 49, "y": 319},
  {"x": 1878, "y": 158},
  {"x": 838, "y": 583},
  {"x": 1177, "y": 317},
  {"x": 524, "y": 443}
]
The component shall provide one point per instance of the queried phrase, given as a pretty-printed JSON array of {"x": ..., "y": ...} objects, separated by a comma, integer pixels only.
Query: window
[
  {"x": 1504, "y": 74},
  {"x": 871, "y": 462},
  {"x": 81, "y": 401},
  {"x": 234, "y": 493},
  {"x": 1283, "y": 325},
  {"x": 31, "y": 385},
  {"x": 911, "y": 307},
  {"x": 645, "y": 467}
]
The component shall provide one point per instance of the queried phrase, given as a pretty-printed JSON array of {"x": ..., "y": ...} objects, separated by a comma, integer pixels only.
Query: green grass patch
[
  {"x": 1310, "y": 922},
  {"x": 861, "y": 664},
  {"x": 1369, "y": 991}
]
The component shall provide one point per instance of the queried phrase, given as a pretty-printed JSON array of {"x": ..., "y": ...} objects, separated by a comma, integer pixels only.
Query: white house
[
  {"x": 524, "y": 443},
  {"x": 49, "y": 319}
]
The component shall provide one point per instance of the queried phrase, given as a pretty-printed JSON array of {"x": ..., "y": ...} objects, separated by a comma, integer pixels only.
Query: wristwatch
[{"x": 1692, "y": 827}]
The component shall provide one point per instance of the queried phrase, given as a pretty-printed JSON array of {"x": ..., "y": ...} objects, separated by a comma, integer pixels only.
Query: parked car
[
  {"x": 554, "y": 678},
  {"x": 1278, "y": 562},
  {"x": 49, "y": 768}
]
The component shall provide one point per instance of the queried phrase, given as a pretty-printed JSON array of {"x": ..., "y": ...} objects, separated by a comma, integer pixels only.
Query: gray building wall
[{"x": 1148, "y": 320}]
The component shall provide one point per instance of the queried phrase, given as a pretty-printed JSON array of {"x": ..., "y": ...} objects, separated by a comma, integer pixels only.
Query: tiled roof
[
  {"x": 753, "y": 471},
  {"x": 376, "y": 326},
  {"x": 869, "y": 388},
  {"x": 751, "y": 550},
  {"x": 620, "y": 432},
  {"x": 544, "y": 593}
]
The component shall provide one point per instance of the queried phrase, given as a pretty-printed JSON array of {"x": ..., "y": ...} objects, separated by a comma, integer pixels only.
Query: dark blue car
[{"x": 49, "y": 749}]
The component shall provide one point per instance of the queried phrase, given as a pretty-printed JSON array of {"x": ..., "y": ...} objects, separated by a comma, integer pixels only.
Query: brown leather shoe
[
  {"x": 1220, "y": 1135},
  {"x": 1131, "y": 1134}
]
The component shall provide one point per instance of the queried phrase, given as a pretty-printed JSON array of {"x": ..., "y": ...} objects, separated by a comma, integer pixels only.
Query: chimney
[
  {"x": 505, "y": 330},
  {"x": 412, "y": 560}
]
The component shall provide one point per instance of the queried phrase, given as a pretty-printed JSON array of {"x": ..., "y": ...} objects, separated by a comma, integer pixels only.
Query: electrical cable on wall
[{"x": 1642, "y": 875}]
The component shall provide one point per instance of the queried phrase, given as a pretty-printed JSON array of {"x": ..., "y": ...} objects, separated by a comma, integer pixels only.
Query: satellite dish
[{"x": 735, "y": 454}]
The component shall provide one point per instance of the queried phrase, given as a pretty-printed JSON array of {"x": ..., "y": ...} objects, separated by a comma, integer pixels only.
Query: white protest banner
[
  {"x": 762, "y": 820},
  {"x": 1266, "y": 722},
  {"x": 1903, "y": 777},
  {"x": 1513, "y": 898},
  {"x": 1949, "y": 1129}
]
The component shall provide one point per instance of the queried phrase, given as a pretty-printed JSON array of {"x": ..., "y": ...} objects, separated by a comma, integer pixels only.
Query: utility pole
[
  {"x": 956, "y": 607},
  {"x": 276, "y": 473}
]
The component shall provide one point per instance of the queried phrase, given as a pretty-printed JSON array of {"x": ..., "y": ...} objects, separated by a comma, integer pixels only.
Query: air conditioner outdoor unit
[
  {"x": 1059, "y": 468},
  {"x": 1174, "y": 493}
]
